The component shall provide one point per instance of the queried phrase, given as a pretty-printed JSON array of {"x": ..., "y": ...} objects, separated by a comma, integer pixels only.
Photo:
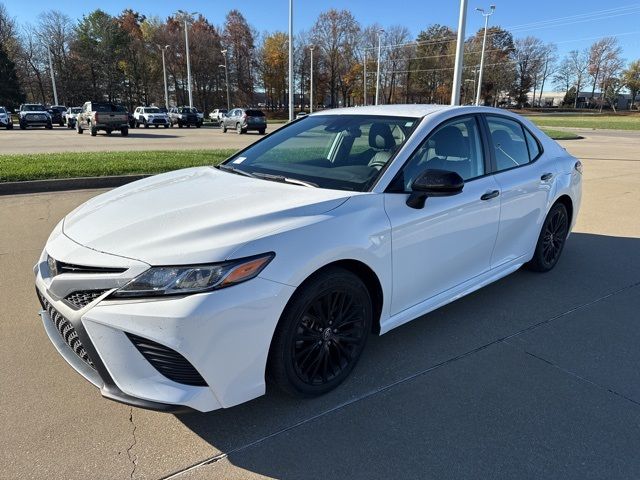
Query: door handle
[
  {"x": 490, "y": 195},
  {"x": 546, "y": 176}
]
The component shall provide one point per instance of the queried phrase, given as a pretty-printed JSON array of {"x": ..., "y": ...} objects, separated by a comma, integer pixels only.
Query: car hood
[{"x": 195, "y": 215}]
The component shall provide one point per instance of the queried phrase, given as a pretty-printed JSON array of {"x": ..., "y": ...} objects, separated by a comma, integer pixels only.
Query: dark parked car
[
  {"x": 57, "y": 112},
  {"x": 242, "y": 120},
  {"x": 34, "y": 115},
  {"x": 184, "y": 117}
]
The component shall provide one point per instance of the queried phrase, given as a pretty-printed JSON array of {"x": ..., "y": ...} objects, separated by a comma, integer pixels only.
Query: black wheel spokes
[
  {"x": 554, "y": 236},
  {"x": 328, "y": 336}
]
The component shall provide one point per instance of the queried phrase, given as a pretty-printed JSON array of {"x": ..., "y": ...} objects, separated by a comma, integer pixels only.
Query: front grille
[
  {"x": 63, "y": 267},
  {"x": 66, "y": 330},
  {"x": 82, "y": 298},
  {"x": 168, "y": 362}
]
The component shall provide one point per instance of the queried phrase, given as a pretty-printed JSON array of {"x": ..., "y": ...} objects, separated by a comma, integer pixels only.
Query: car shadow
[
  {"x": 592, "y": 266},
  {"x": 136, "y": 134}
]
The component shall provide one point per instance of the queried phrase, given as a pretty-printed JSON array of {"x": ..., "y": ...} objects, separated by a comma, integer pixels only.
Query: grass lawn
[
  {"x": 97, "y": 164},
  {"x": 560, "y": 134},
  {"x": 605, "y": 121}
]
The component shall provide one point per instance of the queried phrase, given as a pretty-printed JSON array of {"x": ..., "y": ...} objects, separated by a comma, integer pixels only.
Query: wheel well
[
  {"x": 371, "y": 281},
  {"x": 568, "y": 204}
]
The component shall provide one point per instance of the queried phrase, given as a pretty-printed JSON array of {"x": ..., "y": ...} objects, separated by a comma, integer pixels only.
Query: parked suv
[
  {"x": 57, "y": 112},
  {"x": 70, "y": 115},
  {"x": 105, "y": 116},
  {"x": 148, "y": 116},
  {"x": 34, "y": 115},
  {"x": 184, "y": 117},
  {"x": 217, "y": 115},
  {"x": 5, "y": 118},
  {"x": 242, "y": 120}
]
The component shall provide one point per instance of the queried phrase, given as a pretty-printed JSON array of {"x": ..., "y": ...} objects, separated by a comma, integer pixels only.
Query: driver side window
[{"x": 454, "y": 146}]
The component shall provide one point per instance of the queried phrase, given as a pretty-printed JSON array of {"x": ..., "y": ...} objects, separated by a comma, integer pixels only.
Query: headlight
[{"x": 187, "y": 279}]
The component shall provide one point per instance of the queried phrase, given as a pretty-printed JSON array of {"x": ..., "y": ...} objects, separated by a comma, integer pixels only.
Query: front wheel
[
  {"x": 94, "y": 131},
  {"x": 262, "y": 131},
  {"x": 9, "y": 126},
  {"x": 551, "y": 240},
  {"x": 49, "y": 126},
  {"x": 321, "y": 334},
  {"x": 224, "y": 128},
  {"x": 239, "y": 129},
  {"x": 124, "y": 132},
  {"x": 79, "y": 129}
]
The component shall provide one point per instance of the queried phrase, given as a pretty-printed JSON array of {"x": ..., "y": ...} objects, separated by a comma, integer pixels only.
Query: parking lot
[
  {"x": 535, "y": 376},
  {"x": 61, "y": 139}
]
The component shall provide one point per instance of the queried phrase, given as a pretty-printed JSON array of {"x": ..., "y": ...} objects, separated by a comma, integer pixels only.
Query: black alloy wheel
[
  {"x": 322, "y": 333},
  {"x": 552, "y": 239}
]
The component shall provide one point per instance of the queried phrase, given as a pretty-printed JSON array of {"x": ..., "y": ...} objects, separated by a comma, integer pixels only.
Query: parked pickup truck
[{"x": 103, "y": 116}]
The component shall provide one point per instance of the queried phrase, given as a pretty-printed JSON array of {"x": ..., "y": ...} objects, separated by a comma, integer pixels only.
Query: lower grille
[
  {"x": 168, "y": 362},
  {"x": 66, "y": 330},
  {"x": 82, "y": 298}
]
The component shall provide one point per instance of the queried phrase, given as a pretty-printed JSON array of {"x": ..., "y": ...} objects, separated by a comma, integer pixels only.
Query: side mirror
[{"x": 434, "y": 183}]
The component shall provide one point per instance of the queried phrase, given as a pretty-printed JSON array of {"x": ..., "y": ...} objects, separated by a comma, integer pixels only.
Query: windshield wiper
[
  {"x": 237, "y": 171},
  {"x": 283, "y": 179}
]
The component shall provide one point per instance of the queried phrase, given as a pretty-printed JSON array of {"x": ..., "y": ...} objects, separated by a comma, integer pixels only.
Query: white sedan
[{"x": 187, "y": 289}]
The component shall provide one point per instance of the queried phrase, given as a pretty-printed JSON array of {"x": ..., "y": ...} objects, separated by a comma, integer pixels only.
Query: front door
[{"x": 450, "y": 239}]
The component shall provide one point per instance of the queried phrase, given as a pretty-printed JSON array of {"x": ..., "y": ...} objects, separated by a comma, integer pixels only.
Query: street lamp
[
  {"x": 466, "y": 81},
  {"x": 364, "y": 79},
  {"x": 486, "y": 16},
  {"x": 457, "y": 70},
  {"x": 290, "y": 60},
  {"x": 186, "y": 42},
  {"x": 311, "y": 47},
  {"x": 53, "y": 77},
  {"x": 380, "y": 32},
  {"x": 226, "y": 77},
  {"x": 164, "y": 74}
]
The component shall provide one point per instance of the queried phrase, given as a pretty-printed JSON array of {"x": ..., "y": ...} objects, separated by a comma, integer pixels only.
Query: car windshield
[
  {"x": 76, "y": 109},
  {"x": 184, "y": 110},
  {"x": 2, "y": 110},
  {"x": 345, "y": 152},
  {"x": 33, "y": 108},
  {"x": 151, "y": 110}
]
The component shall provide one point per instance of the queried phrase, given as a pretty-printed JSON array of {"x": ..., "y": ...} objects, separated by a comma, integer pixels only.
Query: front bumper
[
  {"x": 6, "y": 121},
  {"x": 225, "y": 335}
]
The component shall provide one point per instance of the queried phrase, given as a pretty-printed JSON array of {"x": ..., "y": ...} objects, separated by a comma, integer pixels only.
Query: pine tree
[{"x": 10, "y": 93}]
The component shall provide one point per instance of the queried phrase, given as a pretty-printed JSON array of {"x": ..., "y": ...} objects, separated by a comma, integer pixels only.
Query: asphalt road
[
  {"x": 535, "y": 376},
  {"x": 60, "y": 139}
]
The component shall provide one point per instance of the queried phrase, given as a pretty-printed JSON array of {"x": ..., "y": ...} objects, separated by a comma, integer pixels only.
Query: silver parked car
[
  {"x": 70, "y": 116},
  {"x": 242, "y": 120}
]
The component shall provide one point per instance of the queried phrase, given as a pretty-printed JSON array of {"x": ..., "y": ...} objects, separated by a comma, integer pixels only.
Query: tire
[
  {"x": 94, "y": 131},
  {"x": 49, "y": 126},
  {"x": 553, "y": 236},
  {"x": 224, "y": 128},
  {"x": 146, "y": 125},
  {"x": 179, "y": 125},
  {"x": 23, "y": 126},
  {"x": 9, "y": 126},
  {"x": 137, "y": 124},
  {"x": 239, "y": 129},
  {"x": 262, "y": 131},
  {"x": 124, "y": 132},
  {"x": 198, "y": 125},
  {"x": 108, "y": 131},
  {"x": 313, "y": 349},
  {"x": 166, "y": 125},
  {"x": 61, "y": 124},
  {"x": 79, "y": 129}
]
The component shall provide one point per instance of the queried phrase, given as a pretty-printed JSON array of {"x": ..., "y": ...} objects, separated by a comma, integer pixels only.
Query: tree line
[{"x": 119, "y": 58}]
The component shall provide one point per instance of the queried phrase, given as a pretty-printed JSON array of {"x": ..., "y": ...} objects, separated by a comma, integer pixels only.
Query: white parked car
[
  {"x": 69, "y": 117},
  {"x": 185, "y": 289},
  {"x": 150, "y": 116},
  {"x": 5, "y": 118},
  {"x": 217, "y": 115}
]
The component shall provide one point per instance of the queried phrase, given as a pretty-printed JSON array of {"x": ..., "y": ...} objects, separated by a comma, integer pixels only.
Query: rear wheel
[
  {"x": 166, "y": 125},
  {"x": 262, "y": 131},
  {"x": 78, "y": 128},
  {"x": 49, "y": 126},
  {"x": 321, "y": 333},
  {"x": 224, "y": 128},
  {"x": 124, "y": 132},
  {"x": 551, "y": 240},
  {"x": 94, "y": 131},
  {"x": 239, "y": 129},
  {"x": 146, "y": 125}
]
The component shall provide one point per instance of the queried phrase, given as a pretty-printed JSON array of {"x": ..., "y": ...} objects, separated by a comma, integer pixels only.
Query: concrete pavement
[{"x": 534, "y": 376}]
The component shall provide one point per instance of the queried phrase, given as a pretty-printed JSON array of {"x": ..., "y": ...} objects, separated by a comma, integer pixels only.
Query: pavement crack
[
  {"x": 401, "y": 381},
  {"x": 132, "y": 458},
  {"x": 575, "y": 375}
]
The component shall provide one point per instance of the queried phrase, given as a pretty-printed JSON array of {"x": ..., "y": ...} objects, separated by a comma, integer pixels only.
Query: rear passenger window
[
  {"x": 532, "y": 143},
  {"x": 509, "y": 143}
]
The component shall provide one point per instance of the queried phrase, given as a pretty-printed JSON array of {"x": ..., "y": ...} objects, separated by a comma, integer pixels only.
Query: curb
[{"x": 63, "y": 184}]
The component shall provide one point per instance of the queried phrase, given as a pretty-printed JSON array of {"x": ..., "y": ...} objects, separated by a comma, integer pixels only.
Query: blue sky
[{"x": 616, "y": 17}]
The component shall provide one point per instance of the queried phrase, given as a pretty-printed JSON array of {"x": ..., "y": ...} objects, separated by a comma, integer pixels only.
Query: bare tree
[
  {"x": 528, "y": 57},
  {"x": 579, "y": 62},
  {"x": 601, "y": 54},
  {"x": 549, "y": 67}
]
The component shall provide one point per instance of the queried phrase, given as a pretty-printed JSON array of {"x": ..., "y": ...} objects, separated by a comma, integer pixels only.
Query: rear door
[{"x": 525, "y": 185}]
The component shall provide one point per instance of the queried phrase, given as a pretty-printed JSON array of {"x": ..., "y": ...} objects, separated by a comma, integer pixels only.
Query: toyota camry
[{"x": 194, "y": 289}]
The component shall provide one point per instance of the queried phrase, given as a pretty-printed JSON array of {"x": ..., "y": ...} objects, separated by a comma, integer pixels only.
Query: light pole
[
  {"x": 364, "y": 79},
  {"x": 186, "y": 42},
  {"x": 290, "y": 60},
  {"x": 53, "y": 77},
  {"x": 486, "y": 16},
  {"x": 466, "y": 81},
  {"x": 457, "y": 71},
  {"x": 164, "y": 74},
  {"x": 226, "y": 77},
  {"x": 311, "y": 47},
  {"x": 380, "y": 32}
]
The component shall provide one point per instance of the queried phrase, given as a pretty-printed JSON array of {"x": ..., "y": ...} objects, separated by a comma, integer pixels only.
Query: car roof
[{"x": 407, "y": 110}]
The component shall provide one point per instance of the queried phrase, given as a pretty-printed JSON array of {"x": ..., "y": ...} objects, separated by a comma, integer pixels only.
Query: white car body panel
[{"x": 422, "y": 258}]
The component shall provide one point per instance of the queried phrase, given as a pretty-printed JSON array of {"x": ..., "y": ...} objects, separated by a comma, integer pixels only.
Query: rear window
[
  {"x": 254, "y": 113},
  {"x": 152, "y": 110},
  {"x": 107, "y": 107}
]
